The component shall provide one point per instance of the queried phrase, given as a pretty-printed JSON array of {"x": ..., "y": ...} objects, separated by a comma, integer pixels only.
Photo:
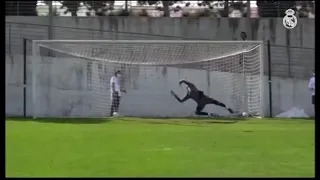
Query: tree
[
  {"x": 126, "y": 6},
  {"x": 21, "y": 8},
  {"x": 248, "y": 5},
  {"x": 225, "y": 11},
  {"x": 273, "y": 8},
  {"x": 111, "y": 3},
  {"x": 284, "y": 5},
  {"x": 166, "y": 5},
  {"x": 72, "y": 6},
  {"x": 307, "y": 9},
  {"x": 267, "y": 8},
  {"x": 145, "y": 2},
  {"x": 166, "y": 11},
  {"x": 98, "y": 6}
]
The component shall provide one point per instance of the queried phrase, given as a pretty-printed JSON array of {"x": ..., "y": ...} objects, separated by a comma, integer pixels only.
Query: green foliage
[
  {"x": 272, "y": 8},
  {"x": 71, "y": 6},
  {"x": 144, "y": 13},
  {"x": 269, "y": 8},
  {"x": 124, "y": 13},
  {"x": 149, "y": 2},
  {"x": 98, "y": 6}
]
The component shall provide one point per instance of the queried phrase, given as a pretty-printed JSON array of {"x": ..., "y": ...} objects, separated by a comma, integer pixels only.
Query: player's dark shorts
[
  {"x": 313, "y": 99},
  {"x": 115, "y": 102}
]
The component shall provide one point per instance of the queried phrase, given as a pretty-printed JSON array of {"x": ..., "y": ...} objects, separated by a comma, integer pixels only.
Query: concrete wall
[
  {"x": 65, "y": 87},
  {"x": 197, "y": 28},
  {"x": 292, "y": 52}
]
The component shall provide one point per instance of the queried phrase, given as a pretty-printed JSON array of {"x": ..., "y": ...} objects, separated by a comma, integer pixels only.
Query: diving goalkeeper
[{"x": 201, "y": 99}]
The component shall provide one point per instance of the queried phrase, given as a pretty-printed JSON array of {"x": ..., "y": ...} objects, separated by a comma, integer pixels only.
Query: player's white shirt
[
  {"x": 116, "y": 82},
  {"x": 312, "y": 85}
]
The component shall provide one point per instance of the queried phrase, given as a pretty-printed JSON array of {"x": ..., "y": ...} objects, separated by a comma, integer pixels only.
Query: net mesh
[{"x": 73, "y": 79}]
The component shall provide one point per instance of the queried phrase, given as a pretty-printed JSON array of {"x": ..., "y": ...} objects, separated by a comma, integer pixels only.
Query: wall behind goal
[
  {"x": 292, "y": 51},
  {"x": 68, "y": 94}
]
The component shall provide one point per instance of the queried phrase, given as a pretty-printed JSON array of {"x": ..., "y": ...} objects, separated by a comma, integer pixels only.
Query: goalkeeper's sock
[{"x": 230, "y": 110}]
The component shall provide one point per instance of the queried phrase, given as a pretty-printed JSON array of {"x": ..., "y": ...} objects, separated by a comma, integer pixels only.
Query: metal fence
[
  {"x": 288, "y": 62},
  {"x": 292, "y": 62}
]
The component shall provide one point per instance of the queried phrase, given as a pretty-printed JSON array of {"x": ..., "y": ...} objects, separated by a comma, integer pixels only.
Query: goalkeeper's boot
[{"x": 213, "y": 115}]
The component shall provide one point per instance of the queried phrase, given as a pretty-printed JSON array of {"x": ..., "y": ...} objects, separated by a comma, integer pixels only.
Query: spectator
[
  {"x": 312, "y": 87},
  {"x": 243, "y": 36}
]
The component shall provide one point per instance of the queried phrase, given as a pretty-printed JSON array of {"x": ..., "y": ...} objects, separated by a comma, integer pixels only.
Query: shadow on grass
[
  {"x": 293, "y": 118},
  {"x": 208, "y": 119},
  {"x": 63, "y": 120},
  {"x": 194, "y": 121},
  {"x": 183, "y": 121}
]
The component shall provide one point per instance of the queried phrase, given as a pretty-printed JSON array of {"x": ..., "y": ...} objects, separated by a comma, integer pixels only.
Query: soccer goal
[{"x": 71, "y": 78}]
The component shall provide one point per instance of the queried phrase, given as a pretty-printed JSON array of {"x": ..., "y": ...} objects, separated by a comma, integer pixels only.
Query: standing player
[
  {"x": 201, "y": 99},
  {"x": 115, "y": 89},
  {"x": 243, "y": 36},
  {"x": 312, "y": 87}
]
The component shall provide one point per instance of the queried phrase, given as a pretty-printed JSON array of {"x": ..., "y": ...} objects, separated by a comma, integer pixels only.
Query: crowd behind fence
[{"x": 287, "y": 62}]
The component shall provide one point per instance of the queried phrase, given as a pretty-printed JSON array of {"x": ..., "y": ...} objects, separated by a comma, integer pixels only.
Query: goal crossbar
[
  {"x": 150, "y": 64},
  {"x": 145, "y": 41}
]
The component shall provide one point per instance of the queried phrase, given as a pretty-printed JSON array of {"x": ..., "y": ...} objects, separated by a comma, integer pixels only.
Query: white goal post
[{"x": 71, "y": 77}]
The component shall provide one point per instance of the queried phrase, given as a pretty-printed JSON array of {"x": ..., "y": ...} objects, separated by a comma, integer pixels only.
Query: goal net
[{"x": 71, "y": 78}]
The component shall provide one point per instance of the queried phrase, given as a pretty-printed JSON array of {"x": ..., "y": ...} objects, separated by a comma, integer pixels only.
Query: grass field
[{"x": 159, "y": 148}]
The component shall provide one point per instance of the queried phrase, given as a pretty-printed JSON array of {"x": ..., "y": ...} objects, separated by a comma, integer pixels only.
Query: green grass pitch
[{"x": 132, "y": 147}]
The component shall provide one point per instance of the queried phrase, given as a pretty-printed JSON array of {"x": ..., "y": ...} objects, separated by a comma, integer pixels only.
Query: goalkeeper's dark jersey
[{"x": 193, "y": 92}]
